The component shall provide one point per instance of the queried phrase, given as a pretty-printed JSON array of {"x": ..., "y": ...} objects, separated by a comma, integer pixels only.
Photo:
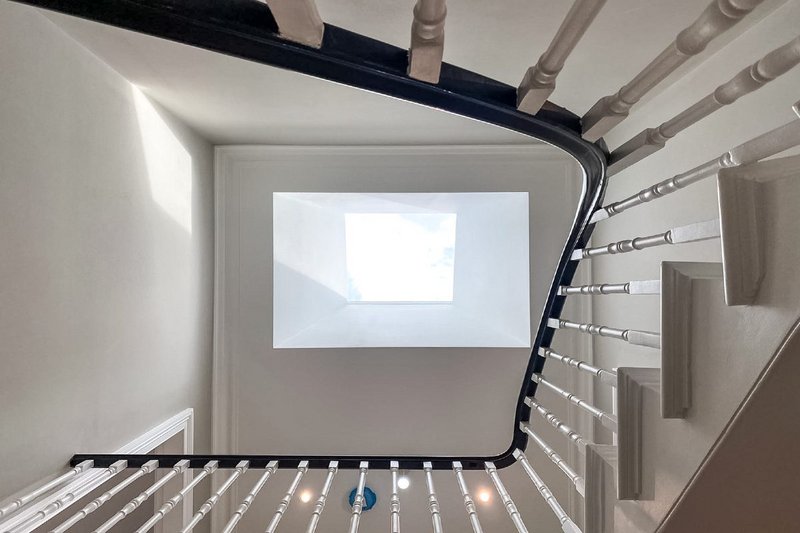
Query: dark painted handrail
[{"x": 246, "y": 29}]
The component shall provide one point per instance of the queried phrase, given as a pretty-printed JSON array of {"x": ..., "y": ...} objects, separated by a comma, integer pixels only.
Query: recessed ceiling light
[
  {"x": 305, "y": 496},
  {"x": 484, "y": 496},
  {"x": 403, "y": 482}
]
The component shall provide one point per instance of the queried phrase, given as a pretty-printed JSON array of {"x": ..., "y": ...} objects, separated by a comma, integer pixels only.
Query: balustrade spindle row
[
  {"x": 609, "y": 377},
  {"x": 718, "y": 17},
  {"x": 578, "y": 481},
  {"x": 567, "y": 525},
  {"x": 23, "y": 500},
  {"x": 554, "y": 421},
  {"x": 248, "y": 500},
  {"x": 651, "y": 140},
  {"x": 609, "y": 421}
]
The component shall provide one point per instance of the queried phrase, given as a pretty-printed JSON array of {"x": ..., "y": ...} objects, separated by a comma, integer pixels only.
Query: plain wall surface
[{"x": 106, "y": 256}]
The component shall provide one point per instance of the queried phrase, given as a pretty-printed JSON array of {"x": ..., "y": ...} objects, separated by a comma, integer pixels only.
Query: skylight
[{"x": 400, "y": 257}]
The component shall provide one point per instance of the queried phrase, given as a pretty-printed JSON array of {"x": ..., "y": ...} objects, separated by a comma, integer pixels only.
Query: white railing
[{"x": 427, "y": 40}]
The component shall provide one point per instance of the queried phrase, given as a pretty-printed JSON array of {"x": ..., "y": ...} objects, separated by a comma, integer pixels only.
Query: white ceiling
[{"x": 232, "y": 101}]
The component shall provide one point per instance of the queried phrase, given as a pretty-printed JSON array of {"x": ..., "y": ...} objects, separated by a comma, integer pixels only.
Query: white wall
[
  {"x": 106, "y": 214},
  {"x": 750, "y": 116}
]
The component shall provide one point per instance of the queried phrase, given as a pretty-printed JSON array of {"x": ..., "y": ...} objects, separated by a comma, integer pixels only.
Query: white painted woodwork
[
  {"x": 20, "y": 501},
  {"x": 632, "y": 382},
  {"x": 302, "y": 468},
  {"x": 62, "y": 499},
  {"x": 427, "y": 40},
  {"x": 607, "y": 420},
  {"x": 394, "y": 500},
  {"x": 298, "y": 21},
  {"x": 765, "y": 145},
  {"x": 540, "y": 80},
  {"x": 433, "y": 500},
  {"x": 505, "y": 497},
  {"x": 650, "y": 286},
  {"x": 631, "y": 336},
  {"x": 272, "y": 466},
  {"x": 609, "y": 111},
  {"x": 554, "y": 421},
  {"x": 208, "y": 469},
  {"x": 567, "y": 525},
  {"x": 699, "y": 231},
  {"x": 179, "y": 468},
  {"x": 651, "y": 140},
  {"x": 609, "y": 377},
  {"x": 742, "y": 224},
  {"x": 333, "y": 466},
  {"x": 469, "y": 503},
  {"x": 358, "y": 501},
  {"x": 98, "y": 502},
  {"x": 677, "y": 281},
  {"x": 573, "y": 476},
  {"x": 601, "y": 488},
  {"x": 209, "y": 504}
]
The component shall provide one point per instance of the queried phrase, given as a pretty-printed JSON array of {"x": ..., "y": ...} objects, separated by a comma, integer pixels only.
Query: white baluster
[
  {"x": 754, "y": 77},
  {"x": 433, "y": 501},
  {"x": 64, "y": 498},
  {"x": 469, "y": 504},
  {"x": 699, "y": 231},
  {"x": 20, "y": 502},
  {"x": 298, "y": 21},
  {"x": 427, "y": 40},
  {"x": 272, "y": 466},
  {"x": 719, "y": 16},
  {"x": 333, "y": 466},
  {"x": 766, "y": 145},
  {"x": 209, "y": 469},
  {"x": 567, "y": 525},
  {"x": 554, "y": 421},
  {"x": 358, "y": 501},
  {"x": 302, "y": 468},
  {"x": 506, "y": 497},
  {"x": 631, "y": 336},
  {"x": 578, "y": 481},
  {"x": 394, "y": 502},
  {"x": 179, "y": 468},
  {"x": 540, "y": 80},
  {"x": 651, "y": 286},
  {"x": 209, "y": 504},
  {"x": 609, "y": 421},
  {"x": 609, "y": 377},
  {"x": 98, "y": 502}
]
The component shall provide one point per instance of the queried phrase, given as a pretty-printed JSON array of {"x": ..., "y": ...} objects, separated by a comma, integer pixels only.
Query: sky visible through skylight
[{"x": 400, "y": 257}]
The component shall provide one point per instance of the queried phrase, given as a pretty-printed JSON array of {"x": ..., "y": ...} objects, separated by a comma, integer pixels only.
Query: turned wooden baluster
[
  {"x": 272, "y": 466},
  {"x": 433, "y": 501},
  {"x": 699, "y": 231},
  {"x": 298, "y": 21},
  {"x": 718, "y": 17},
  {"x": 567, "y": 525},
  {"x": 540, "y": 80},
  {"x": 469, "y": 504},
  {"x": 631, "y": 336},
  {"x": 754, "y": 77},
  {"x": 333, "y": 466},
  {"x": 394, "y": 501},
  {"x": 179, "y": 468},
  {"x": 506, "y": 498},
  {"x": 609, "y": 377},
  {"x": 427, "y": 40},
  {"x": 358, "y": 501}
]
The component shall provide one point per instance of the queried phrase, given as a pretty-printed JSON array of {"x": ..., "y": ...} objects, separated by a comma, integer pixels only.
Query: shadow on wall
[{"x": 169, "y": 164}]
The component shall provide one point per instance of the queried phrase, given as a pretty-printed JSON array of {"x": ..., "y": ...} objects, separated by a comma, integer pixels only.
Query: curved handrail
[{"x": 246, "y": 29}]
